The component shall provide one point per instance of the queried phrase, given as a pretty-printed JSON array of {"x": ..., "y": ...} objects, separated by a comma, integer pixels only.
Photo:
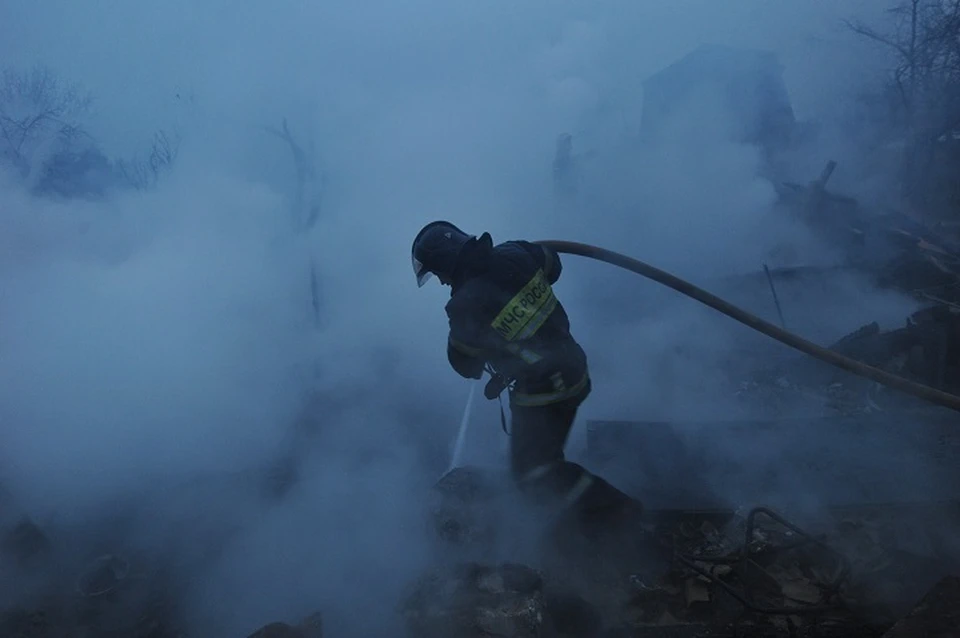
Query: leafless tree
[
  {"x": 308, "y": 191},
  {"x": 37, "y": 108},
  {"x": 307, "y": 200},
  {"x": 142, "y": 172},
  {"x": 925, "y": 39}
]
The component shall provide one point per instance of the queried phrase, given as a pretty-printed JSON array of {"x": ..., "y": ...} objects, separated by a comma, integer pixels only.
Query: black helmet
[{"x": 436, "y": 249}]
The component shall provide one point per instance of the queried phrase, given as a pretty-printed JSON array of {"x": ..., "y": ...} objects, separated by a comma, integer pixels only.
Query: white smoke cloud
[{"x": 147, "y": 339}]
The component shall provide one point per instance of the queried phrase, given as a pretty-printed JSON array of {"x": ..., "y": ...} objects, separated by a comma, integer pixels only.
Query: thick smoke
[{"x": 150, "y": 340}]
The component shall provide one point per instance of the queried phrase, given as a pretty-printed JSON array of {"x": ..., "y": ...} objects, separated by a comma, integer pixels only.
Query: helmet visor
[{"x": 422, "y": 274}]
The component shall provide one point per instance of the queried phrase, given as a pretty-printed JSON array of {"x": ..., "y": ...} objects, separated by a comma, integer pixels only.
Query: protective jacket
[{"x": 503, "y": 312}]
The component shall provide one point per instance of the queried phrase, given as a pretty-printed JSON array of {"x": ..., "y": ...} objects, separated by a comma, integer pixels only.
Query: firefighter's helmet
[{"x": 436, "y": 249}]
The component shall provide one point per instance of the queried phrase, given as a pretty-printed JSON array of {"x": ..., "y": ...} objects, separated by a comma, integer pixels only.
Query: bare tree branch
[
  {"x": 144, "y": 173},
  {"x": 305, "y": 213},
  {"x": 926, "y": 41},
  {"x": 35, "y": 106},
  {"x": 870, "y": 34}
]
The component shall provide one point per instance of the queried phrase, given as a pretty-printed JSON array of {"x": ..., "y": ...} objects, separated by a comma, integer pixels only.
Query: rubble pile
[
  {"x": 750, "y": 571},
  {"x": 109, "y": 596},
  {"x": 865, "y": 571},
  {"x": 761, "y": 580},
  {"x": 897, "y": 251},
  {"x": 464, "y": 504},
  {"x": 474, "y": 600},
  {"x": 783, "y": 394},
  {"x": 760, "y": 574},
  {"x": 119, "y": 617},
  {"x": 926, "y": 349}
]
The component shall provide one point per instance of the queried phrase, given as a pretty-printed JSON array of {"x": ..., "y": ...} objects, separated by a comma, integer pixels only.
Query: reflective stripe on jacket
[{"x": 503, "y": 311}]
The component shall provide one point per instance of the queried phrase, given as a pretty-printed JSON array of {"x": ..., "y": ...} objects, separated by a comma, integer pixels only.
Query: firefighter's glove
[{"x": 495, "y": 386}]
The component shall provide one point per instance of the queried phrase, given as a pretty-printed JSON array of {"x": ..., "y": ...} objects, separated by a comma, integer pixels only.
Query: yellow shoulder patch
[{"x": 527, "y": 311}]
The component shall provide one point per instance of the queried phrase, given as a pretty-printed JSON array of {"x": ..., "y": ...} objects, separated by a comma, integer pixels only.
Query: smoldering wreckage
[{"x": 880, "y": 560}]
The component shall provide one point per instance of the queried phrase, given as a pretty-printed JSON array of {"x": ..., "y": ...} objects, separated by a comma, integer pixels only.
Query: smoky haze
[{"x": 153, "y": 337}]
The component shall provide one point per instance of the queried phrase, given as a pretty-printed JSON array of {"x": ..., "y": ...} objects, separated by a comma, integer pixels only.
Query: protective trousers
[{"x": 538, "y": 437}]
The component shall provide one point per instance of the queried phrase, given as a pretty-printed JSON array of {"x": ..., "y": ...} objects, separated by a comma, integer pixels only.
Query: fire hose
[{"x": 919, "y": 390}]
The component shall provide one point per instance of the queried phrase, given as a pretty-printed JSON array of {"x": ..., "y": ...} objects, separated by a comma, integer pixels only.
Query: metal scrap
[{"x": 794, "y": 586}]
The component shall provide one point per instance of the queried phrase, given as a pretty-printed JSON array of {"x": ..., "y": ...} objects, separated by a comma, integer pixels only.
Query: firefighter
[{"x": 505, "y": 319}]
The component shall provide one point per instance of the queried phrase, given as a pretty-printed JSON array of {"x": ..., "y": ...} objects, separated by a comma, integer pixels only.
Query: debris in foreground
[
  {"x": 475, "y": 600},
  {"x": 925, "y": 349},
  {"x": 753, "y": 571},
  {"x": 856, "y": 572},
  {"x": 896, "y": 250},
  {"x": 937, "y": 615},
  {"x": 309, "y": 627}
]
